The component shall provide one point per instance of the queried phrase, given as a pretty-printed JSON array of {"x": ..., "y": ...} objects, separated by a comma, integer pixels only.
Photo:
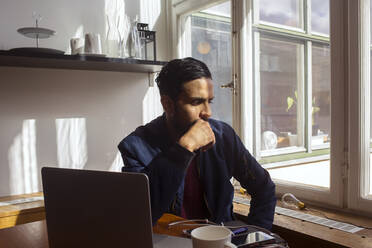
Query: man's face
[{"x": 193, "y": 103}]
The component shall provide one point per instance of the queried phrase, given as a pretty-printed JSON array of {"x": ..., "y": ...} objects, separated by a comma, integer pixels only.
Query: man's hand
[{"x": 199, "y": 136}]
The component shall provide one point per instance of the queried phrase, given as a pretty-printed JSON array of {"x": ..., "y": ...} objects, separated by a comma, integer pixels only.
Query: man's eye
[{"x": 196, "y": 102}]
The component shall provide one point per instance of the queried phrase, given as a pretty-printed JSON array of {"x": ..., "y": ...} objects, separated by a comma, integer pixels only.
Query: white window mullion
[
  {"x": 242, "y": 42},
  {"x": 308, "y": 95},
  {"x": 257, "y": 95},
  {"x": 302, "y": 12},
  {"x": 184, "y": 41},
  {"x": 300, "y": 95},
  {"x": 308, "y": 77}
]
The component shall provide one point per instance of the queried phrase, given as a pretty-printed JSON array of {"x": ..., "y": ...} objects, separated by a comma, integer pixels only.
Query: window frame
[
  {"x": 359, "y": 105},
  {"x": 304, "y": 87},
  {"x": 349, "y": 153}
]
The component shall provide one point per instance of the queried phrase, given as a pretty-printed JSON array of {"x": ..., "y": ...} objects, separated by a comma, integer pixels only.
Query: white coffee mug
[
  {"x": 92, "y": 43},
  {"x": 77, "y": 45},
  {"x": 211, "y": 237}
]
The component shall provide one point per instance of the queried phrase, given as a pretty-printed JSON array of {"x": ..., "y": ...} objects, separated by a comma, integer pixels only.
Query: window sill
[
  {"x": 295, "y": 158},
  {"x": 295, "y": 162},
  {"x": 304, "y": 234}
]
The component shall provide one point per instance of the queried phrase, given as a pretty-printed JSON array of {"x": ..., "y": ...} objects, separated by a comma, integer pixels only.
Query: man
[{"x": 190, "y": 158}]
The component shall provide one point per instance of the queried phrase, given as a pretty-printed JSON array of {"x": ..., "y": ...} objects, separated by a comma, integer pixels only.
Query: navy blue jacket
[{"x": 149, "y": 150}]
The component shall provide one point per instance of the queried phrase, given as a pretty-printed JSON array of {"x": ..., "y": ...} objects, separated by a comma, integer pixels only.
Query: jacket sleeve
[
  {"x": 257, "y": 181},
  {"x": 165, "y": 170}
]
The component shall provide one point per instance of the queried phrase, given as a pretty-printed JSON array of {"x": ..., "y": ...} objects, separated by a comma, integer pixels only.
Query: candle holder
[{"x": 148, "y": 41}]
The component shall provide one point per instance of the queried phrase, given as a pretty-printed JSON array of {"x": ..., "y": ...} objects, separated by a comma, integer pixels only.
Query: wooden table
[
  {"x": 30, "y": 235},
  {"x": 298, "y": 233},
  {"x": 21, "y": 213},
  {"x": 34, "y": 234}
]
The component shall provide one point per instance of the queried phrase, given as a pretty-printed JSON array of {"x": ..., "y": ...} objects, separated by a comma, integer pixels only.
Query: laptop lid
[{"x": 96, "y": 208}]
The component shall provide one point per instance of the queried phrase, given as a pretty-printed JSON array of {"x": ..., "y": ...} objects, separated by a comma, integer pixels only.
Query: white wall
[{"x": 67, "y": 118}]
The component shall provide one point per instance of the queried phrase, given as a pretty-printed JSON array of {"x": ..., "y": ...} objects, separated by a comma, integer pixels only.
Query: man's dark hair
[{"x": 179, "y": 71}]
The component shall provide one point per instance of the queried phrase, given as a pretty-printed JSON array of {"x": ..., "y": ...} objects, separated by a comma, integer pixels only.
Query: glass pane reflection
[
  {"x": 283, "y": 12},
  {"x": 280, "y": 75},
  {"x": 320, "y": 16},
  {"x": 321, "y": 98},
  {"x": 211, "y": 43}
]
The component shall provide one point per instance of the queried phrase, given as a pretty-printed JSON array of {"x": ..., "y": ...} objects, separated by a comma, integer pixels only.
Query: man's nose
[{"x": 206, "y": 112}]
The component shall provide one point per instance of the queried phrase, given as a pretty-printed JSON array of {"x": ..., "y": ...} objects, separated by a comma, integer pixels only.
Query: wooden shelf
[{"x": 78, "y": 62}]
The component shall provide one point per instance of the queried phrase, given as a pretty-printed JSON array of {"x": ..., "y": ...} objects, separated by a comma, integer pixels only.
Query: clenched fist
[{"x": 199, "y": 136}]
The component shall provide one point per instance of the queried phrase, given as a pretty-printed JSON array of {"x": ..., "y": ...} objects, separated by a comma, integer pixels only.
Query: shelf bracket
[{"x": 151, "y": 78}]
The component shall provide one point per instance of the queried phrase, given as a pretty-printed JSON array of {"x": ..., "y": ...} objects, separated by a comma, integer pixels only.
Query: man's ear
[{"x": 168, "y": 105}]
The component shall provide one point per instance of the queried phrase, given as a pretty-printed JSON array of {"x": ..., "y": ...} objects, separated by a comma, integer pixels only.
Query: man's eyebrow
[
  {"x": 198, "y": 98},
  {"x": 201, "y": 99}
]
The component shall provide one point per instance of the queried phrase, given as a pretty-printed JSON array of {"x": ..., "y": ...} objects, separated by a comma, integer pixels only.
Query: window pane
[
  {"x": 280, "y": 75},
  {"x": 320, "y": 16},
  {"x": 321, "y": 99},
  {"x": 211, "y": 43},
  {"x": 283, "y": 12}
]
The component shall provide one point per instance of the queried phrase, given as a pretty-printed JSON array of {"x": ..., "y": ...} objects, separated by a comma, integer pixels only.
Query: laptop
[{"x": 87, "y": 208}]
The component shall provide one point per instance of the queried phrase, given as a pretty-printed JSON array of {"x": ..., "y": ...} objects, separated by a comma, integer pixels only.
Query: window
[
  {"x": 297, "y": 89},
  {"x": 291, "y": 47}
]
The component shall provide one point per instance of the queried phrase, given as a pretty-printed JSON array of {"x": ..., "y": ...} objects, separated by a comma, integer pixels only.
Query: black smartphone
[{"x": 252, "y": 239}]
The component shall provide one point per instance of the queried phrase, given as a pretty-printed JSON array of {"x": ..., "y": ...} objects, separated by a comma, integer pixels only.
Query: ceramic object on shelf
[
  {"x": 34, "y": 50},
  {"x": 36, "y": 32}
]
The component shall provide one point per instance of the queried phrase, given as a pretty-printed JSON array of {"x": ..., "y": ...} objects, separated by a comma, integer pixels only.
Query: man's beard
[{"x": 180, "y": 125}]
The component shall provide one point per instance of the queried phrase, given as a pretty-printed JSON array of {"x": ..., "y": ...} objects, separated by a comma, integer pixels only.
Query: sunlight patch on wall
[
  {"x": 23, "y": 169},
  {"x": 117, "y": 28},
  {"x": 72, "y": 148},
  {"x": 150, "y": 11},
  {"x": 117, "y": 164},
  {"x": 151, "y": 105}
]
